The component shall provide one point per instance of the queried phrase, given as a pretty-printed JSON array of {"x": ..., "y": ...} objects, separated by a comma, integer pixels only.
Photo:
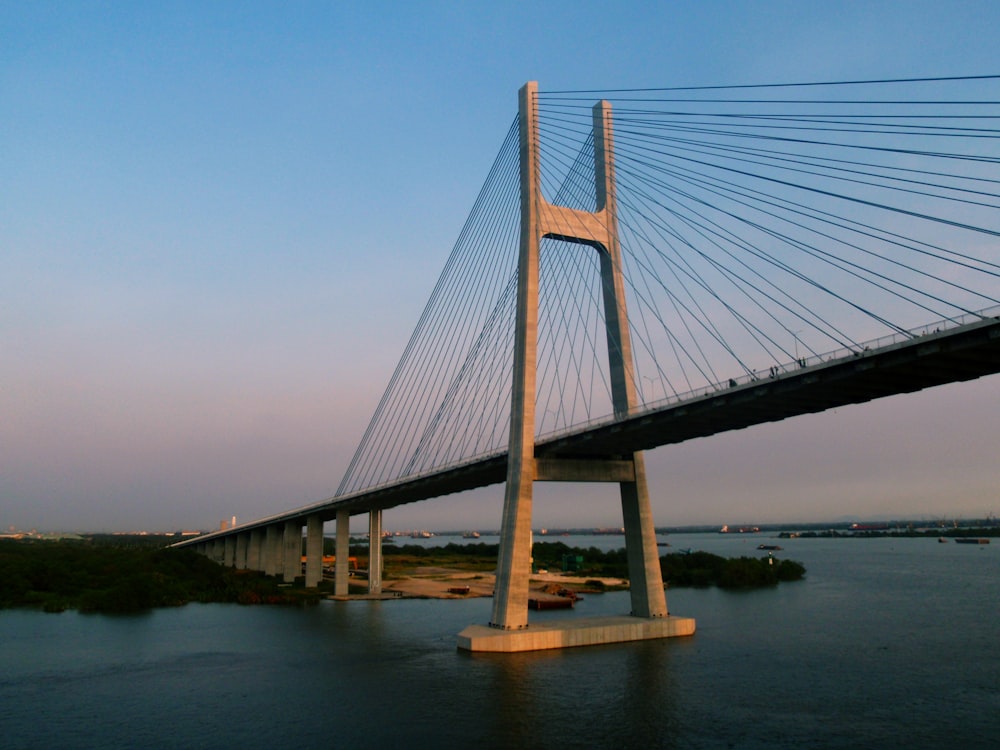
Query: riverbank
[{"x": 119, "y": 577}]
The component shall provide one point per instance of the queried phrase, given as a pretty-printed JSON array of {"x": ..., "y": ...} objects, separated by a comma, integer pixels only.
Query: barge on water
[{"x": 560, "y": 603}]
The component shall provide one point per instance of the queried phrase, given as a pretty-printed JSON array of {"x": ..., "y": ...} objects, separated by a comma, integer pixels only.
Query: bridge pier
[
  {"x": 241, "y": 550},
  {"x": 254, "y": 547},
  {"x": 375, "y": 552},
  {"x": 272, "y": 542},
  {"x": 645, "y": 577},
  {"x": 292, "y": 551},
  {"x": 342, "y": 564},
  {"x": 599, "y": 230},
  {"x": 314, "y": 550}
]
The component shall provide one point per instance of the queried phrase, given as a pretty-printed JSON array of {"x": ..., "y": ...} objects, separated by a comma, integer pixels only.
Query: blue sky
[{"x": 219, "y": 223}]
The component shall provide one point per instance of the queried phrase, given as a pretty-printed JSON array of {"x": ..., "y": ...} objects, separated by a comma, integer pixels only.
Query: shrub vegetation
[
  {"x": 119, "y": 576},
  {"x": 704, "y": 569}
]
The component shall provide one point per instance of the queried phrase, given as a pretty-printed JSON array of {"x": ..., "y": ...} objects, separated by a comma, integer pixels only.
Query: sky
[{"x": 219, "y": 223}]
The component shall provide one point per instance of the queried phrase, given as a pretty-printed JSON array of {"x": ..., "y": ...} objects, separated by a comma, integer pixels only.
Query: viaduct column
[
  {"x": 314, "y": 550},
  {"x": 292, "y": 550},
  {"x": 272, "y": 544},
  {"x": 342, "y": 565},
  {"x": 375, "y": 552},
  {"x": 241, "y": 550},
  {"x": 254, "y": 548}
]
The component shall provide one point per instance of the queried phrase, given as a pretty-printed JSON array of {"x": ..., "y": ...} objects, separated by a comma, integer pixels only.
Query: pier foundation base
[{"x": 583, "y": 631}]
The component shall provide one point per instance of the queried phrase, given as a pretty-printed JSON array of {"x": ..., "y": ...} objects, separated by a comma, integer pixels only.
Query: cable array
[
  {"x": 771, "y": 226},
  {"x": 761, "y": 227},
  {"x": 449, "y": 397}
]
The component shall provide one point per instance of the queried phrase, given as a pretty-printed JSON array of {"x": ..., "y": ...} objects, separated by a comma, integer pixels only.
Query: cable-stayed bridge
[{"x": 666, "y": 264}]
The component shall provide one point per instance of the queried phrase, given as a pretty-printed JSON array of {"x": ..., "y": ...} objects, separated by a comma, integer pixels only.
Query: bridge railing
[
  {"x": 842, "y": 353},
  {"x": 882, "y": 342}
]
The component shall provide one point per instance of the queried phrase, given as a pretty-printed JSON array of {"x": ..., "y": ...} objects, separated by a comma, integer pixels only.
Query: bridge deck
[{"x": 963, "y": 353}]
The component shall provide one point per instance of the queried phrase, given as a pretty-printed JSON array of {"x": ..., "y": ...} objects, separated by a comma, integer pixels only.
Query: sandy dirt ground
[{"x": 447, "y": 583}]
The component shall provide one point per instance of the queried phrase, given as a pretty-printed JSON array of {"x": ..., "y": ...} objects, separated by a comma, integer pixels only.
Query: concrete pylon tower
[{"x": 598, "y": 230}]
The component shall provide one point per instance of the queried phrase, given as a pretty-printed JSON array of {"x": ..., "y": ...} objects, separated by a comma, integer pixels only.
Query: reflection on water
[
  {"x": 887, "y": 642},
  {"x": 594, "y": 697}
]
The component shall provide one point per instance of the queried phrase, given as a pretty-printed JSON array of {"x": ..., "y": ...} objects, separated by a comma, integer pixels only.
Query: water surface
[{"x": 886, "y": 643}]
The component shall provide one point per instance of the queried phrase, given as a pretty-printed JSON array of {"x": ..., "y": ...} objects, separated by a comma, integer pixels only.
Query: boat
[
  {"x": 462, "y": 590},
  {"x": 769, "y": 546},
  {"x": 971, "y": 540},
  {"x": 470, "y": 535},
  {"x": 569, "y": 594},
  {"x": 560, "y": 603},
  {"x": 942, "y": 540}
]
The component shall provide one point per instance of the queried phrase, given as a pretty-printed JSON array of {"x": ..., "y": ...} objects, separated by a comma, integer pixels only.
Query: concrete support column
[
  {"x": 510, "y": 598},
  {"x": 219, "y": 551},
  {"x": 314, "y": 550},
  {"x": 342, "y": 565},
  {"x": 645, "y": 577},
  {"x": 229, "y": 553},
  {"x": 293, "y": 551},
  {"x": 375, "y": 552},
  {"x": 255, "y": 550},
  {"x": 241, "y": 550},
  {"x": 272, "y": 545}
]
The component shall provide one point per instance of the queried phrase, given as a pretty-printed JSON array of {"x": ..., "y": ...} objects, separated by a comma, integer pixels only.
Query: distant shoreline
[{"x": 987, "y": 526}]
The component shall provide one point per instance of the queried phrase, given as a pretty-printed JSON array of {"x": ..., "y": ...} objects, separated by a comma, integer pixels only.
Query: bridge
[{"x": 710, "y": 259}]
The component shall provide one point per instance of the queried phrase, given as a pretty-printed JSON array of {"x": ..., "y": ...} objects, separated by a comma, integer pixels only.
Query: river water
[{"x": 886, "y": 643}]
